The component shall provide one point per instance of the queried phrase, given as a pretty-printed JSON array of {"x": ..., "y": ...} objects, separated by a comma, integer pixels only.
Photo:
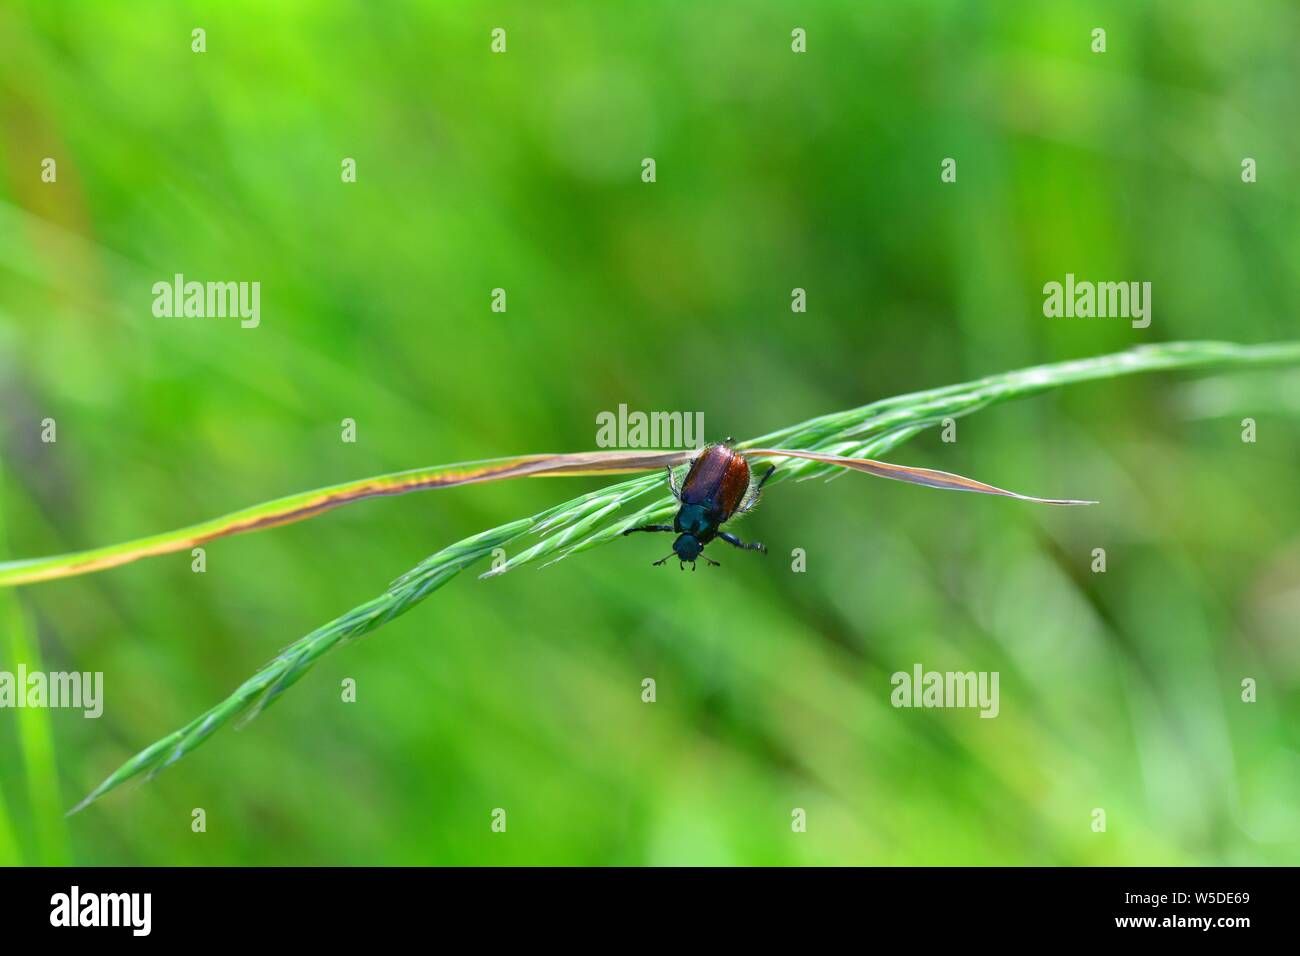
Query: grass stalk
[{"x": 595, "y": 518}]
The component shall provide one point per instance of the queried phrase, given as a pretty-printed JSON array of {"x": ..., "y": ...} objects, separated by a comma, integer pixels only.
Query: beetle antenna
[
  {"x": 661, "y": 561},
  {"x": 716, "y": 564}
]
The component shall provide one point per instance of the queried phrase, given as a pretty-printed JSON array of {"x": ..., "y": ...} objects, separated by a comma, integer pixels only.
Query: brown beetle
[{"x": 717, "y": 487}]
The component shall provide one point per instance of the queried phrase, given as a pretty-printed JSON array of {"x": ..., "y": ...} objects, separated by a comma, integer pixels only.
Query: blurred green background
[{"x": 775, "y": 170}]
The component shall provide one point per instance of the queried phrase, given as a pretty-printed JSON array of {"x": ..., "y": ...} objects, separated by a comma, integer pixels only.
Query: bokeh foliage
[{"x": 1119, "y": 691}]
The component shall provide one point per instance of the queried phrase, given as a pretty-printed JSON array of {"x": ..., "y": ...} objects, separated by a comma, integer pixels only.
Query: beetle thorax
[{"x": 693, "y": 520}]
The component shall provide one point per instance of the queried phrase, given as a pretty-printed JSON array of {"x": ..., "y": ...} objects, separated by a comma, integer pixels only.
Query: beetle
[{"x": 718, "y": 486}]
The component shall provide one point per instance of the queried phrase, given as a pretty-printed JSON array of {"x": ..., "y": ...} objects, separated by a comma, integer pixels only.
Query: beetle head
[{"x": 687, "y": 547}]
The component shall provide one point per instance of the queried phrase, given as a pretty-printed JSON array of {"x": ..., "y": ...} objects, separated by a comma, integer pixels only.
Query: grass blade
[
  {"x": 589, "y": 521},
  {"x": 308, "y": 504}
]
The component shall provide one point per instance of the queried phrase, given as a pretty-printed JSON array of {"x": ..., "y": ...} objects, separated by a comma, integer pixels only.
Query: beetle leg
[
  {"x": 661, "y": 561},
  {"x": 672, "y": 483},
  {"x": 716, "y": 564},
  {"x": 650, "y": 527},
  {"x": 752, "y": 496},
  {"x": 731, "y": 539}
]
